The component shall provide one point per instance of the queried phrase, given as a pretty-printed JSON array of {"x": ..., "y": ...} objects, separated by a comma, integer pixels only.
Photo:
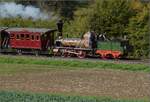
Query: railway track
[
  {"x": 125, "y": 61},
  {"x": 119, "y": 61}
]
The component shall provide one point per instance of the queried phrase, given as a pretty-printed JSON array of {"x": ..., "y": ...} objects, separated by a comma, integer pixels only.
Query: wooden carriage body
[{"x": 28, "y": 38}]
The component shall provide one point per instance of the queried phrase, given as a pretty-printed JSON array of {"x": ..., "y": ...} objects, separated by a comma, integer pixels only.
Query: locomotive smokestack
[{"x": 59, "y": 27}]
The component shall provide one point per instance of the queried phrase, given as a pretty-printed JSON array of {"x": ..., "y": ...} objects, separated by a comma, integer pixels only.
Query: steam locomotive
[{"x": 46, "y": 41}]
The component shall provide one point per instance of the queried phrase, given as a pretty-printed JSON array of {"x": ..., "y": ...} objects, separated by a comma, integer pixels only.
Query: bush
[{"x": 19, "y": 22}]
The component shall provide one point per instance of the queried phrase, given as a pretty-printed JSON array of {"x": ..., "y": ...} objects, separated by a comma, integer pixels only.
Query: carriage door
[
  {"x": 50, "y": 40},
  {"x": 4, "y": 39}
]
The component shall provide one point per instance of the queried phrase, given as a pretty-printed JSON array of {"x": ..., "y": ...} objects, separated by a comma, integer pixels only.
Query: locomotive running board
[{"x": 70, "y": 48}]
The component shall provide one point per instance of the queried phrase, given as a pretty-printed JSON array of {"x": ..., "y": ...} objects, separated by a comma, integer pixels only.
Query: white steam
[{"x": 8, "y": 10}]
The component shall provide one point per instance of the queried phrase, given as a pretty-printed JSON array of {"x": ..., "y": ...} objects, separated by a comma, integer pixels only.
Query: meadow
[
  {"x": 6, "y": 96},
  {"x": 52, "y": 63}
]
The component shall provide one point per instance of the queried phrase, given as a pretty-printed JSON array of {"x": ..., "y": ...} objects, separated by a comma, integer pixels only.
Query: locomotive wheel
[
  {"x": 120, "y": 56},
  {"x": 82, "y": 54},
  {"x": 69, "y": 55},
  {"x": 64, "y": 54},
  {"x": 109, "y": 56}
]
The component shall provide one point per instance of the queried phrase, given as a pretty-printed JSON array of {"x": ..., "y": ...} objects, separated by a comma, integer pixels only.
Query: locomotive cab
[{"x": 114, "y": 48}]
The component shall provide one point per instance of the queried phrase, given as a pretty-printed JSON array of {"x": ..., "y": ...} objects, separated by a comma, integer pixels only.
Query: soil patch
[{"x": 117, "y": 84}]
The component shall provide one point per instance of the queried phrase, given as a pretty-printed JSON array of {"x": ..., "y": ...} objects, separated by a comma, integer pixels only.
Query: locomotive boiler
[
  {"x": 87, "y": 41},
  {"x": 76, "y": 46}
]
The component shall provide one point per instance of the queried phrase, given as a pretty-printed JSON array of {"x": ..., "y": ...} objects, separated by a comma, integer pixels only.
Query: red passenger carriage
[{"x": 27, "y": 39}]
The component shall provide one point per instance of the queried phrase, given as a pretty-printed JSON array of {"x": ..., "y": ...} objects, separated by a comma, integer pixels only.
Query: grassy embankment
[
  {"x": 6, "y": 96},
  {"x": 12, "y": 64}
]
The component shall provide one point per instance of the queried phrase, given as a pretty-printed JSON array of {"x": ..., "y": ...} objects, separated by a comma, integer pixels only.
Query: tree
[
  {"x": 66, "y": 8},
  {"x": 138, "y": 30},
  {"x": 80, "y": 24},
  {"x": 110, "y": 16}
]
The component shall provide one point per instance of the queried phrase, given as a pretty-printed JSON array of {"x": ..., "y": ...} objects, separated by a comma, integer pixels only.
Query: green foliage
[
  {"x": 66, "y": 8},
  {"x": 19, "y": 22},
  {"x": 6, "y": 96},
  {"x": 102, "y": 16},
  {"x": 65, "y": 64},
  {"x": 80, "y": 25},
  {"x": 138, "y": 30},
  {"x": 110, "y": 17}
]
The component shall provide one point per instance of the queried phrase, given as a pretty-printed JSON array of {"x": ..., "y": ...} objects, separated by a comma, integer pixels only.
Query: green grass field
[
  {"x": 7, "y": 96},
  {"x": 17, "y": 64},
  {"x": 12, "y": 64}
]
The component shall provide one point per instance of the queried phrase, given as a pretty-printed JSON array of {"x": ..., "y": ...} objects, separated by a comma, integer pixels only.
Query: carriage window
[
  {"x": 22, "y": 36},
  {"x": 27, "y": 36},
  {"x": 12, "y": 36},
  {"x": 17, "y": 36},
  {"x": 37, "y": 37},
  {"x": 32, "y": 37}
]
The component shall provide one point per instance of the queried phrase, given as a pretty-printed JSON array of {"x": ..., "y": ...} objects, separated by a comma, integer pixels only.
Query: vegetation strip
[
  {"x": 73, "y": 64},
  {"x": 7, "y": 96}
]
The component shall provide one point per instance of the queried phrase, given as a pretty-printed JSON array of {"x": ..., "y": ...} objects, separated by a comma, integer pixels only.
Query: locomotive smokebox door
[{"x": 60, "y": 26}]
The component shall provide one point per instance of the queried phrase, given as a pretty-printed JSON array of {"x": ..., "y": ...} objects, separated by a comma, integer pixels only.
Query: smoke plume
[{"x": 10, "y": 9}]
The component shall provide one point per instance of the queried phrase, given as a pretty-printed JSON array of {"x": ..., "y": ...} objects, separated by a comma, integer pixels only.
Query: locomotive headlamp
[{"x": 60, "y": 26}]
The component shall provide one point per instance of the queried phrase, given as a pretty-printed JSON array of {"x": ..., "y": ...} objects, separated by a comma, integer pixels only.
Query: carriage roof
[{"x": 30, "y": 30}]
